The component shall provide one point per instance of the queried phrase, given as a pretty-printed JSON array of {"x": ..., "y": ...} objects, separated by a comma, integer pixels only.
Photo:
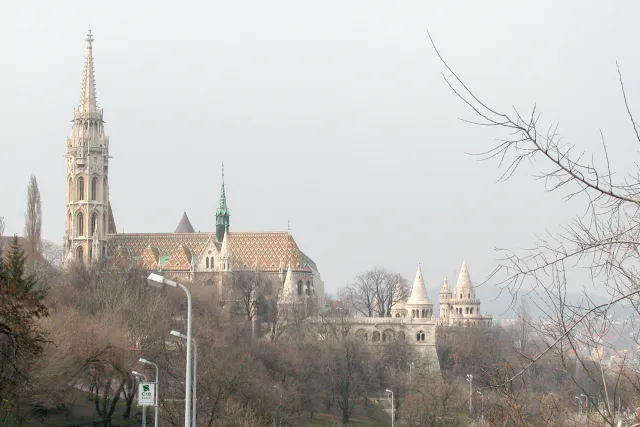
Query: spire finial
[
  {"x": 89, "y": 39},
  {"x": 222, "y": 173},
  {"x": 88, "y": 100}
]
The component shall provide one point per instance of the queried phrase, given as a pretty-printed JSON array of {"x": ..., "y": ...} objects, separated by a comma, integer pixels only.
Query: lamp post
[
  {"x": 579, "y": 405},
  {"x": 481, "y": 402},
  {"x": 155, "y": 416},
  {"x": 586, "y": 403},
  {"x": 411, "y": 365},
  {"x": 470, "y": 381},
  {"x": 159, "y": 281},
  {"x": 392, "y": 414},
  {"x": 195, "y": 373},
  {"x": 144, "y": 407}
]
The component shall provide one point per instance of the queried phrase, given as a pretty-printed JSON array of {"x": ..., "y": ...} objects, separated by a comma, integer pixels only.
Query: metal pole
[
  {"x": 393, "y": 415},
  {"x": 470, "y": 379},
  {"x": 392, "y": 412},
  {"x": 187, "y": 399},
  {"x": 195, "y": 377},
  {"x": 155, "y": 416}
]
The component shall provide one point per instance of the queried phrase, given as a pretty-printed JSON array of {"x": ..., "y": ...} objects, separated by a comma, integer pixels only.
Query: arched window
[
  {"x": 299, "y": 287},
  {"x": 94, "y": 223},
  {"x": 401, "y": 336},
  {"x": 471, "y": 310},
  {"x": 80, "y": 254},
  {"x": 81, "y": 188},
  {"x": 212, "y": 263},
  {"x": 70, "y": 190},
  {"x": 388, "y": 335},
  {"x": 94, "y": 188},
  {"x": 207, "y": 262},
  {"x": 308, "y": 290},
  {"x": 466, "y": 310},
  {"x": 468, "y": 295},
  {"x": 420, "y": 336},
  {"x": 397, "y": 314},
  {"x": 80, "y": 224},
  {"x": 375, "y": 336},
  {"x": 460, "y": 295},
  {"x": 362, "y": 335}
]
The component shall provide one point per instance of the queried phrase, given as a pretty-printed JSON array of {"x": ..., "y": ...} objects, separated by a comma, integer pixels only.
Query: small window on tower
[
  {"x": 94, "y": 188},
  {"x": 81, "y": 188}
]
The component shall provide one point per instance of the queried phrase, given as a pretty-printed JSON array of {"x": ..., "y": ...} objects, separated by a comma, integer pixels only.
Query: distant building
[
  {"x": 413, "y": 323},
  {"x": 207, "y": 257}
]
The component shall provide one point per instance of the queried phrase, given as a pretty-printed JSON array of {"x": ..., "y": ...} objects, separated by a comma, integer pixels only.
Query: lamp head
[
  {"x": 136, "y": 373},
  {"x": 388, "y": 391},
  {"x": 141, "y": 360},
  {"x": 155, "y": 280},
  {"x": 178, "y": 334}
]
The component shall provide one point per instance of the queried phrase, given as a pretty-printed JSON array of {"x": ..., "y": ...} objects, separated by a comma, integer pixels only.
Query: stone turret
[
  {"x": 445, "y": 300},
  {"x": 398, "y": 307},
  {"x": 418, "y": 305},
  {"x": 225, "y": 253},
  {"x": 464, "y": 306}
]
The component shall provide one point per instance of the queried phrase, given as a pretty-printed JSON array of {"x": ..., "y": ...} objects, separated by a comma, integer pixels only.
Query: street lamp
[
  {"x": 579, "y": 405},
  {"x": 586, "y": 403},
  {"x": 392, "y": 414},
  {"x": 158, "y": 281},
  {"x": 144, "y": 407},
  {"x": 470, "y": 381},
  {"x": 481, "y": 401},
  {"x": 155, "y": 416},
  {"x": 195, "y": 373}
]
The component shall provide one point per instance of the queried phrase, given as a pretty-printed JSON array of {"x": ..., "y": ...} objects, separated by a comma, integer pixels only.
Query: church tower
[
  {"x": 222, "y": 213},
  {"x": 87, "y": 214}
]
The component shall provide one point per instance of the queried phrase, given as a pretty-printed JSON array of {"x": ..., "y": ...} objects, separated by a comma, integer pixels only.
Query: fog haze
[{"x": 331, "y": 115}]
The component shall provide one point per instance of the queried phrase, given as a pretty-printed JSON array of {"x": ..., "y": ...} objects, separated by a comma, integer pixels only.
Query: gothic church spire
[
  {"x": 88, "y": 99},
  {"x": 222, "y": 213}
]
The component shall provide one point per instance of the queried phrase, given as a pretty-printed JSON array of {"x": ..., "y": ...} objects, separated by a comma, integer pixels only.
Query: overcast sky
[{"x": 330, "y": 114}]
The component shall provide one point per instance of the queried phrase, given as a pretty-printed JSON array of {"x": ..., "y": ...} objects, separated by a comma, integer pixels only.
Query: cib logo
[{"x": 145, "y": 388}]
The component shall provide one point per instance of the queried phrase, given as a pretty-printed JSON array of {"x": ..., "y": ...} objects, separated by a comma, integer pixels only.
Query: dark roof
[{"x": 184, "y": 226}]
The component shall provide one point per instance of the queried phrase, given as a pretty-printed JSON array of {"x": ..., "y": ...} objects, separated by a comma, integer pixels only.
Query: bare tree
[
  {"x": 33, "y": 218},
  {"x": 375, "y": 292},
  {"x": 603, "y": 237},
  {"x": 524, "y": 325}
]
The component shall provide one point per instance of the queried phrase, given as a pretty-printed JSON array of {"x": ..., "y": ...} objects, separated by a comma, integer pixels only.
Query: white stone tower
[
  {"x": 464, "y": 303},
  {"x": 418, "y": 305},
  {"x": 87, "y": 215},
  {"x": 445, "y": 302}
]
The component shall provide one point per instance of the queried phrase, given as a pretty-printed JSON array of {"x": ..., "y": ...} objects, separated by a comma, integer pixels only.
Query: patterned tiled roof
[
  {"x": 180, "y": 259},
  {"x": 269, "y": 249},
  {"x": 149, "y": 258}
]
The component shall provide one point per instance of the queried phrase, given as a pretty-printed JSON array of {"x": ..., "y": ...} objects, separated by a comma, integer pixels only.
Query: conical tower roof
[
  {"x": 225, "y": 250},
  {"x": 184, "y": 226},
  {"x": 418, "y": 292},
  {"x": 288, "y": 289},
  {"x": 445, "y": 286},
  {"x": 464, "y": 279}
]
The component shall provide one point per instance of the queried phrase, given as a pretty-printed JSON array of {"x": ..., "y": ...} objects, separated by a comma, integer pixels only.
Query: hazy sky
[{"x": 330, "y": 114}]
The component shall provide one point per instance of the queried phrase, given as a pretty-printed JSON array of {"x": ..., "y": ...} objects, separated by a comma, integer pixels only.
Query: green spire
[
  {"x": 222, "y": 213},
  {"x": 222, "y": 205}
]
